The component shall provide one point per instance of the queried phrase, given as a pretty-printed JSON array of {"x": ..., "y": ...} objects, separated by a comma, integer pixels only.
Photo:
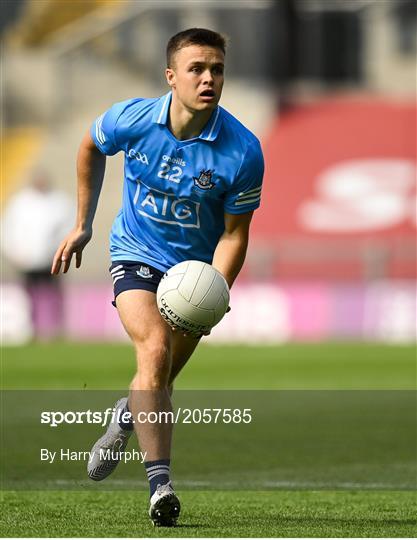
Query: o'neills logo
[
  {"x": 174, "y": 160},
  {"x": 172, "y": 317}
]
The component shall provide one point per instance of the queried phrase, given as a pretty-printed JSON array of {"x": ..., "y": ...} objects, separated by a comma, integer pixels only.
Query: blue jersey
[{"x": 176, "y": 192}]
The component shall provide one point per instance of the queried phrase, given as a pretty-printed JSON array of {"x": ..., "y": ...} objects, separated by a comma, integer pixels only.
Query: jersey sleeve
[
  {"x": 245, "y": 194},
  {"x": 107, "y": 129}
]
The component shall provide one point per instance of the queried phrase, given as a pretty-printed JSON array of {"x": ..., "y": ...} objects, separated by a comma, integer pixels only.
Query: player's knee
[
  {"x": 154, "y": 352},
  {"x": 154, "y": 365},
  {"x": 155, "y": 341}
]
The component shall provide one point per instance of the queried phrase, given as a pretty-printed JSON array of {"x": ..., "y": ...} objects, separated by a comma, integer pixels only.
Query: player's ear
[{"x": 170, "y": 76}]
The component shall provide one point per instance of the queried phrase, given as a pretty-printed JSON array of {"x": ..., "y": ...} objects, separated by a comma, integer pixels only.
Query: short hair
[{"x": 194, "y": 36}]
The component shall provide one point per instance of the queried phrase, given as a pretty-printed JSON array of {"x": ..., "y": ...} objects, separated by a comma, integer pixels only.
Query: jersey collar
[{"x": 211, "y": 129}]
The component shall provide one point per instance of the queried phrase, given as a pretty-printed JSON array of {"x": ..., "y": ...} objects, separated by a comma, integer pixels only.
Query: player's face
[{"x": 196, "y": 77}]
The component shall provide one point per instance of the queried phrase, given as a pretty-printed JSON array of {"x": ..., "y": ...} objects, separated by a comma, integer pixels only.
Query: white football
[{"x": 193, "y": 296}]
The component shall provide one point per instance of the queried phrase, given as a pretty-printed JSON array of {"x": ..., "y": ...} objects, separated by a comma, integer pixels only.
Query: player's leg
[
  {"x": 128, "y": 276},
  {"x": 149, "y": 388},
  {"x": 149, "y": 394},
  {"x": 182, "y": 349},
  {"x": 132, "y": 276},
  {"x": 150, "y": 333}
]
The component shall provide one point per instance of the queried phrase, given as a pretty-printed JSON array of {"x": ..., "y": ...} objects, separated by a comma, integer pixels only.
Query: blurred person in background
[{"x": 34, "y": 220}]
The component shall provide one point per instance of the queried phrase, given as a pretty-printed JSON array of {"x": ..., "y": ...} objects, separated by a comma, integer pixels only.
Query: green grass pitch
[
  {"x": 281, "y": 512},
  {"x": 213, "y": 514}
]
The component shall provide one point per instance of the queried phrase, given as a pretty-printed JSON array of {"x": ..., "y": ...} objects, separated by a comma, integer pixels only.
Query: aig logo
[
  {"x": 139, "y": 156},
  {"x": 166, "y": 208}
]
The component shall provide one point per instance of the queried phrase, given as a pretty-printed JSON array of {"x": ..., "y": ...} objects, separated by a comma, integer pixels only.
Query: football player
[{"x": 193, "y": 177}]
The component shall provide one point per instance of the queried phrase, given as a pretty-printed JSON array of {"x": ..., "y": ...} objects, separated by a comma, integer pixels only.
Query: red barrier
[{"x": 339, "y": 196}]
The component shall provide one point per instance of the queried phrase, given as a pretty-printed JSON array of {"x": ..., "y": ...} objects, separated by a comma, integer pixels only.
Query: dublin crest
[{"x": 204, "y": 180}]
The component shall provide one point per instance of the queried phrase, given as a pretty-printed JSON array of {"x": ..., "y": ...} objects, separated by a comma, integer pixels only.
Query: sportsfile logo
[
  {"x": 139, "y": 156},
  {"x": 166, "y": 208},
  {"x": 182, "y": 415}
]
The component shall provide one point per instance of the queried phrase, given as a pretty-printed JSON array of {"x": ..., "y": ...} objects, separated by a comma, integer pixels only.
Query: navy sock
[
  {"x": 158, "y": 473},
  {"x": 126, "y": 425}
]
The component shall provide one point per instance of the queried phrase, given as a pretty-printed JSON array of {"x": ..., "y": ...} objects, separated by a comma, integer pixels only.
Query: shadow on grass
[{"x": 191, "y": 526}]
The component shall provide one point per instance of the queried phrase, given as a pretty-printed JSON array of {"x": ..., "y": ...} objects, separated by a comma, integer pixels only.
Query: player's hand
[{"x": 72, "y": 244}]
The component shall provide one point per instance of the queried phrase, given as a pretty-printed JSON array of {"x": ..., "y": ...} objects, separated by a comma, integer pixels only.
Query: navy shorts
[{"x": 128, "y": 275}]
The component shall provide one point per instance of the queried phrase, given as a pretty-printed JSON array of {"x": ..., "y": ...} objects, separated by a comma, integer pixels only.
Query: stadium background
[
  {"x": 328, "y": 86},
  {"x": 326, "y": 300}
]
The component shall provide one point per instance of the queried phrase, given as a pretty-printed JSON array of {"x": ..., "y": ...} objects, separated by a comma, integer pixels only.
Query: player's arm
[
  {"x": 91, "y": 165},
  {"x": 230, "y": 252},
  {"x": 231, "y": 248}
]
